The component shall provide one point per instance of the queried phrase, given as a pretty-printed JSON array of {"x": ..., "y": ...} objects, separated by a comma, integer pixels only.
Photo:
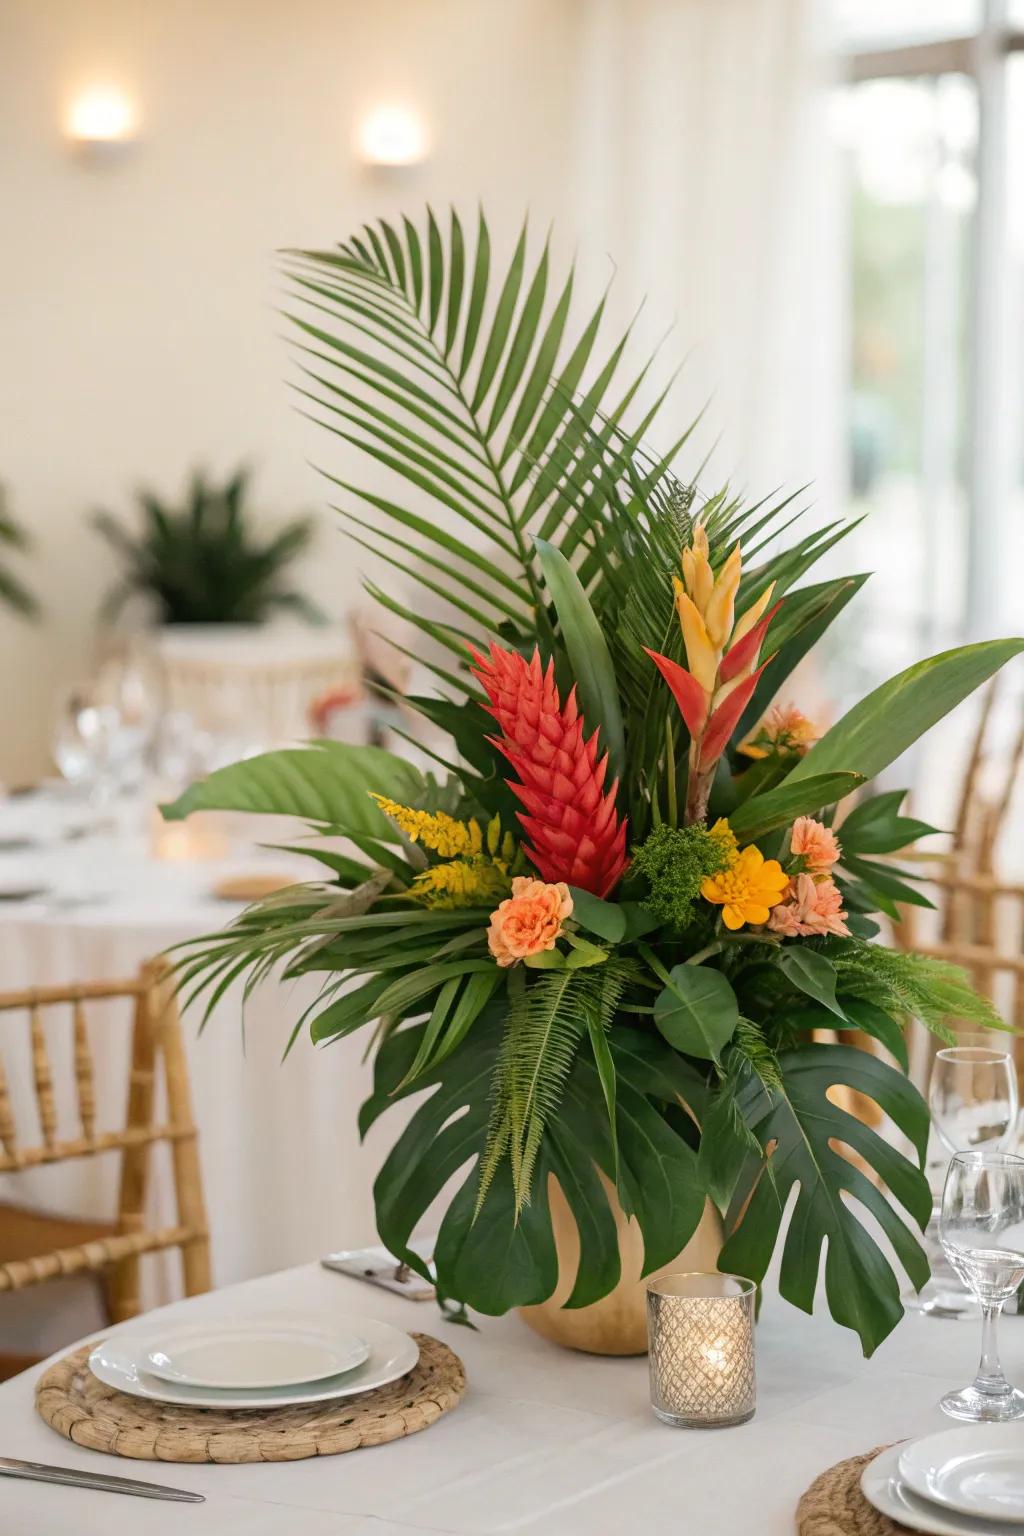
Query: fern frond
[
  {"x": 750, "y": 1044},
  {"x": 547, "y": 1020},
  {"x": 915, "y": 986}
]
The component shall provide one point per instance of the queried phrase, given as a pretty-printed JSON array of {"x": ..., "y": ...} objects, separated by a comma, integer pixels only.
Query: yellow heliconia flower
[
  {"x": 698, "y": 576},
  {"x": 700, "y": 653},
  {"x": 748, "y": 889},
  {"x": 720, "y": 610},
  {"x": 436, "y": 830},
  {"x": 461, "y": 883},
  {"x": 752, "y": 614}
]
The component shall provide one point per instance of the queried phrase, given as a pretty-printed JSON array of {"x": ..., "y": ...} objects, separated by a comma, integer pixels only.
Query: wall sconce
[
  {"x": 392, "y": 136},
  {"x": 101, "y": 119}
]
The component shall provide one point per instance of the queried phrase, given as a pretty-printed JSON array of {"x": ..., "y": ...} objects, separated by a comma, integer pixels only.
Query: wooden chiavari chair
[
  {"x": 35, "y": 1246},
  {"x": 979, "y": 918}
]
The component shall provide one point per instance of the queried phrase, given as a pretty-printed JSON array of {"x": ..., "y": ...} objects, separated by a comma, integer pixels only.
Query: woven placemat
[
  {"x": 834, "y": 1505},
  {"x": 74, "y": 1403}
]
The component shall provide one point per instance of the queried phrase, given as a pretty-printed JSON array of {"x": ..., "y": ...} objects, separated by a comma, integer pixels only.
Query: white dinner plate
[
  {"x": 882, "y": 1486},
  {"x": 270, "y": 1351},
  {"x": 120, "y": 1362},
  {"x": 976, "y": 1471}
]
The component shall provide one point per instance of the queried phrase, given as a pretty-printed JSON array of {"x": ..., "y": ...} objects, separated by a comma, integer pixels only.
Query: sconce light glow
[
  {"x": 392, "y": 135},
  {"x": 101, "y": 117}
]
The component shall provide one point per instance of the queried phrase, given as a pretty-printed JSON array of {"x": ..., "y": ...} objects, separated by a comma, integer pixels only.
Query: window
[
  {"x": 930, "y": 124},
  {"x": 859, "y": 23},
  {"x": 909, "y": 146}
]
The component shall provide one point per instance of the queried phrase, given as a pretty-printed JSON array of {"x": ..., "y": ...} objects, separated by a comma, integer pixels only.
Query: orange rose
[{"x": 528, "y": 921}]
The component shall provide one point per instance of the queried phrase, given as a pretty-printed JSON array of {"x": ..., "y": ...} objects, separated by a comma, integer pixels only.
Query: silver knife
[{"x": 70, "y": 1477}]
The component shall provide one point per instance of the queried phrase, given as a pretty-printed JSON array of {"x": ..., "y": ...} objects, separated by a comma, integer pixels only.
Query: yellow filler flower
[{"x": 748, "y": 889}]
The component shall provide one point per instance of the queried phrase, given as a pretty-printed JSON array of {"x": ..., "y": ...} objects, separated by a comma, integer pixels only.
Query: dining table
[{"x": 545, "y": 1440}]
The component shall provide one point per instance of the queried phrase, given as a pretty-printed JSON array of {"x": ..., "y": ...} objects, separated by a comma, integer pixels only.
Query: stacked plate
[
  {"x": 270, "y": 1361},
  {"x": 963, "y": 1482}
]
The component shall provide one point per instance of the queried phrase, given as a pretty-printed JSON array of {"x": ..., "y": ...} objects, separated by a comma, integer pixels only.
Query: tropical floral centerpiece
[{"x": 601, "y": 942}]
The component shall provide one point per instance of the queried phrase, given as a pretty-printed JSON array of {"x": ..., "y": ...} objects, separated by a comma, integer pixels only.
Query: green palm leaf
[{"x": 460, "y": 379}]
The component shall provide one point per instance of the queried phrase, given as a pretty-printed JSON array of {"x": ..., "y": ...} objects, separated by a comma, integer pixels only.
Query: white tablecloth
[
  {"x": 545, "y": 1441},
  {"x": 286, "y": 1179}
]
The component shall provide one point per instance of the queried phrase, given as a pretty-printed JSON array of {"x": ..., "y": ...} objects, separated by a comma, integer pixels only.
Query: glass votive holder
[{"x": 701, "y": 1333}]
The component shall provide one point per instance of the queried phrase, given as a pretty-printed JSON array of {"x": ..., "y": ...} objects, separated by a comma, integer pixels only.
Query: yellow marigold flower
[
  {"x": 748, "y": 889},
  {"x": 726, "y": 836},
  {"x": 436, "y": 830},
  {"x": 460, "y": 883}
]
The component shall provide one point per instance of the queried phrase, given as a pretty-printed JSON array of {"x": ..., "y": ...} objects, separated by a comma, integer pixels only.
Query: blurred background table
[{"x": 106, "y": 903}]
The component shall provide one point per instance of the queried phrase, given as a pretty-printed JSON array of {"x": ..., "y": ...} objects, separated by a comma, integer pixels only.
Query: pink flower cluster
[{"x": 813, "y": 902}]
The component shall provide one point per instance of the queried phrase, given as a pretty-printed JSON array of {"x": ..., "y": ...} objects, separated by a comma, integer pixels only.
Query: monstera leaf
[
  {"x": 497, "y": 1262},
  {"x": 800, "y": 1127}
]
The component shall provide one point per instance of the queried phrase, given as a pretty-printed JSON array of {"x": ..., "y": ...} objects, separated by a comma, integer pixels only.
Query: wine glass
[
  {"x": 981, "y": 1227},
  {"x": 972, "y": 1096},
  {"x": 85, "y": 741}
]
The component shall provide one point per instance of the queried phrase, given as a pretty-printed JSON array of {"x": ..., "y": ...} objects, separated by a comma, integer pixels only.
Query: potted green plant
[
  {"x": 14, "y": 539},
  {"x": 602, "y": 947},
  {"x": 201, "y": 562}
]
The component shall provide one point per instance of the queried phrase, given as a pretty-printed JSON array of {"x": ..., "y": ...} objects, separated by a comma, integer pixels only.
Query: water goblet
[
  {"x": 972, "y": 1096},
  {"x": 981, "y": 1227}
]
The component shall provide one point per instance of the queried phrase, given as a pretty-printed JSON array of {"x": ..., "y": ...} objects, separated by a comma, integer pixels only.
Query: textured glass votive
[{"x": 701, "y": 1333}]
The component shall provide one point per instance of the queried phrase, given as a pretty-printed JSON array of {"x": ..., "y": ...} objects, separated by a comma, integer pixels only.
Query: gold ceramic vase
[{"x": 617, "y": 1324}]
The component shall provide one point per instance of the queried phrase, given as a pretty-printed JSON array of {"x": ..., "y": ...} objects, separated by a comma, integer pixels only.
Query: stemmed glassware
[
  {"x": 981, "y": 1227},
  {"x": 85, "y": 740},
  {"x": 972, "y": 1096}
]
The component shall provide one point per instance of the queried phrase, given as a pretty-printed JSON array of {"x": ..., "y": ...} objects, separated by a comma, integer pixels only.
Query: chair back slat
[
  {"x": 8, "y": 1131},
  {"x": 84, "y": 1075},
  {"x": 42, "y": 1075},
  {"x": 156, "y": 1040}
]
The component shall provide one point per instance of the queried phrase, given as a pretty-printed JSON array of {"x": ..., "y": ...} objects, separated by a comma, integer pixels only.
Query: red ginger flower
[{"x": 575, "y": 833}]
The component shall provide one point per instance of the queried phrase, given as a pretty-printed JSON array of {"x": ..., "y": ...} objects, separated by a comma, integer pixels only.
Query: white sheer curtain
[{"x": 703, "y": 173}]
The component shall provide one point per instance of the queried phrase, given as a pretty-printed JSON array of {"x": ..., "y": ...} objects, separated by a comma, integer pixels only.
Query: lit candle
[{"x": 701, "y": 1334}]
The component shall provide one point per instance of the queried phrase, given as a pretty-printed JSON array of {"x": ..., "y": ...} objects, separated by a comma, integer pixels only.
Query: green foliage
[
  {"x": 780, "y": 806},
  {"x": 674, "y": 861},
  {"x": 588, "y": 653},
  {"x": 881, "y": 727},
  {"x": 875, "y": 826},
  {"x": 14, "y": 540},
  {"x": 329, "y": 784},
  {"x": 546, "y": 1023},
  {"x": 697, "y": 1012},
  {"x": 202, "y": 562},
  {"x": 802, "y": 1136},
  {"x": 494, "y": 1259},
  {"x": 913, "y": 986}
]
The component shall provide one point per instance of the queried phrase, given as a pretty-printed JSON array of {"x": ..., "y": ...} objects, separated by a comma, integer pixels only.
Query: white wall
[{"x": 139, "y": 336}]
